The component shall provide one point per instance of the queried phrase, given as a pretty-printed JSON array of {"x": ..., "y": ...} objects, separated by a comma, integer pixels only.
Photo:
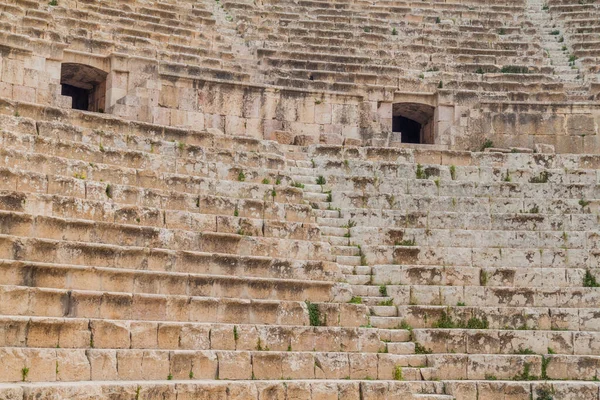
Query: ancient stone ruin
[{"x": 300, "y": 199}]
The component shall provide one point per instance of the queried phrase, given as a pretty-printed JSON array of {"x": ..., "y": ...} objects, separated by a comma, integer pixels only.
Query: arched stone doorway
[
  {"x": 85, "y": 84},
  {"x": 413, "y": 123}
]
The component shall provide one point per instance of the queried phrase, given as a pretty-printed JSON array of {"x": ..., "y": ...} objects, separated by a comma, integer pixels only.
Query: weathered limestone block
[
  {"x": 150, "y": 364},
  {"x": 72, "y": 365},
  {"x": 110, "y": 334},
  {"x": 194, "y": 337},
  {"x": 298, "y": 390},
  {"x": 103, "y": 365},
  {"x": 298, "y": 365},
  {"x": 501, "y": 366},
  {"x": 571, "y": 368},
  {"x": 503, "y": 390},
  {"x": 332, "y": 366},
  {"x": 209, "y": 391},
  {"x": 363, "y": 366},
  {"x": 235, "y": 365},
  {"x": 569, "y": 390},
  {"x": 325, "y": 391},
  {"x": 11, "y": 392},
  {"x": 144, "y": 335},
  {"x": 450, "y": 366},
  {"x": 462, "y": 390},
  {"x": 181, "y": 365},
  {"x": 42, "y": 365},
  {"x": 243, "y": 391}
]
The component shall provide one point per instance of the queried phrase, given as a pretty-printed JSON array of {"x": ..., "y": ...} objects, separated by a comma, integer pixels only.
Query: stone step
[
  {"x": 517, "y": 367},
  {"x": 307, "y": 180},
  {"x": 82, "y": 333},
  {"x": 94, "y": 255},
  {"x": 508, "y": 318},
  {"x": 368, "y": 290},
  {"x": 420, "y": 396},
  {"x": 26, "y": 301},
  {"x": 517, "y": 237},
  {"x": 362, "y": 270},
  {"x": 33, "y": 132},
  {"x": 335, "y": 222},
  {"x": 314, "y": 188},
  {"x": 134, "y": 364},
  {"x": 346, "y": 270},
  {"x": 337, "y": 241},
  {"x": 153, "y": 192},
  {"x": 521, "y": 389},
  {"x": 482, "y": 257},
  {"x": 303, "y": 164},
  {"x": 103, "y": 159},
  {"x": 494, "y": 341},
  {"x": 326, "y": 213},
  {"x": 250, "y": 389},
  {"x": 305, "y": 174},
  {"x": 401, "y": 348},
  {"x": 358, "y": 279},
  {"x": 383, "y": 311},
  {"x": 375, "y": 301},
  {"x": 571, "y": 298},
  {"x": 346, "y": 251},
  {"x": 252, "y": 215},
  {"x": 393, "y": 275},
  {"x": 349, "y": 260},
  {"x": 60, "y": 276},
  {"x": 334, "y": 231},
  {"x": 316, "y": 197}
]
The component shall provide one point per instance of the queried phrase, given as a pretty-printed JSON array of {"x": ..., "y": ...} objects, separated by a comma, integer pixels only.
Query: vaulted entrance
[
  {"x": 414, "y": 122},
  {"x": 85, "y": 84}
]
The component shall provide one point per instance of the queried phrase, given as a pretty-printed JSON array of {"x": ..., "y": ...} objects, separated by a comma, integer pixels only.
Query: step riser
[
  {"x": 112, "y": 334},
  {"x": 127, "y": 281},
  {"x": 192, "y": 389},
  {"x": 103, "y": 365},
  {"x": 84, "y": 254},
  {"x": 119, "y": 235},
  {"x": 23, "y": 301},
  {"x": 504, "y": 318}
]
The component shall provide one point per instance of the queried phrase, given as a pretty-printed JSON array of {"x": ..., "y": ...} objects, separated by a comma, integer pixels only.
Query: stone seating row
[
  {"x": 488, "y": 257},
  {"x": 103, "y": 365},
  {"x": 28, "y": 301},
  {"x": 505, "y": 318},
  {"x": 499, "y": 238},
  {"x": 389, "y": 275},
  {"x": 95, "y": 200},
  {"x": 44, "y": 332},
  {"x": 494, "y": 296},
  {"x": 160, "y": 238},
  {"x": 211, "y": 263},
  {"x": 239, "y": 390},
  {"x": 492, "y": 341},
  {"x": 167, "y": 283},
  {"x": 133, "y": 364},
  {"x": 576, "y": 219}
]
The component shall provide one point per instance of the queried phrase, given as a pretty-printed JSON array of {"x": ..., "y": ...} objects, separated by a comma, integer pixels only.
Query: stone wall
[
  {"x": 570, "y": 128},
  {"x": 242, "y": 109}
]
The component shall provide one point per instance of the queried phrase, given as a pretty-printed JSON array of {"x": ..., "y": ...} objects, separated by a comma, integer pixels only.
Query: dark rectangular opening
[
  {"x": 81, "y": 97},
  {"x": 410, "y": 130}
]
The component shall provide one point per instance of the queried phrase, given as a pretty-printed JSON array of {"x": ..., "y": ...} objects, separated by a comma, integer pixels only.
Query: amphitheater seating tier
[{"x": 143, "y": 260}]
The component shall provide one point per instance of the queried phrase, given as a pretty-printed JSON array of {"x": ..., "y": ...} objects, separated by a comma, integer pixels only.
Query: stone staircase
[
  {"x": 137, "y": 264},
  {"x": 141, "y": 265},
  {"x": 143, "y": 260},
  {"x": 556, "y": 45}
]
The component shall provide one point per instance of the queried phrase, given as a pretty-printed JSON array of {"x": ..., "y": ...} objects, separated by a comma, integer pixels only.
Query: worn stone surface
[{"x": 218, "y": 200}]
